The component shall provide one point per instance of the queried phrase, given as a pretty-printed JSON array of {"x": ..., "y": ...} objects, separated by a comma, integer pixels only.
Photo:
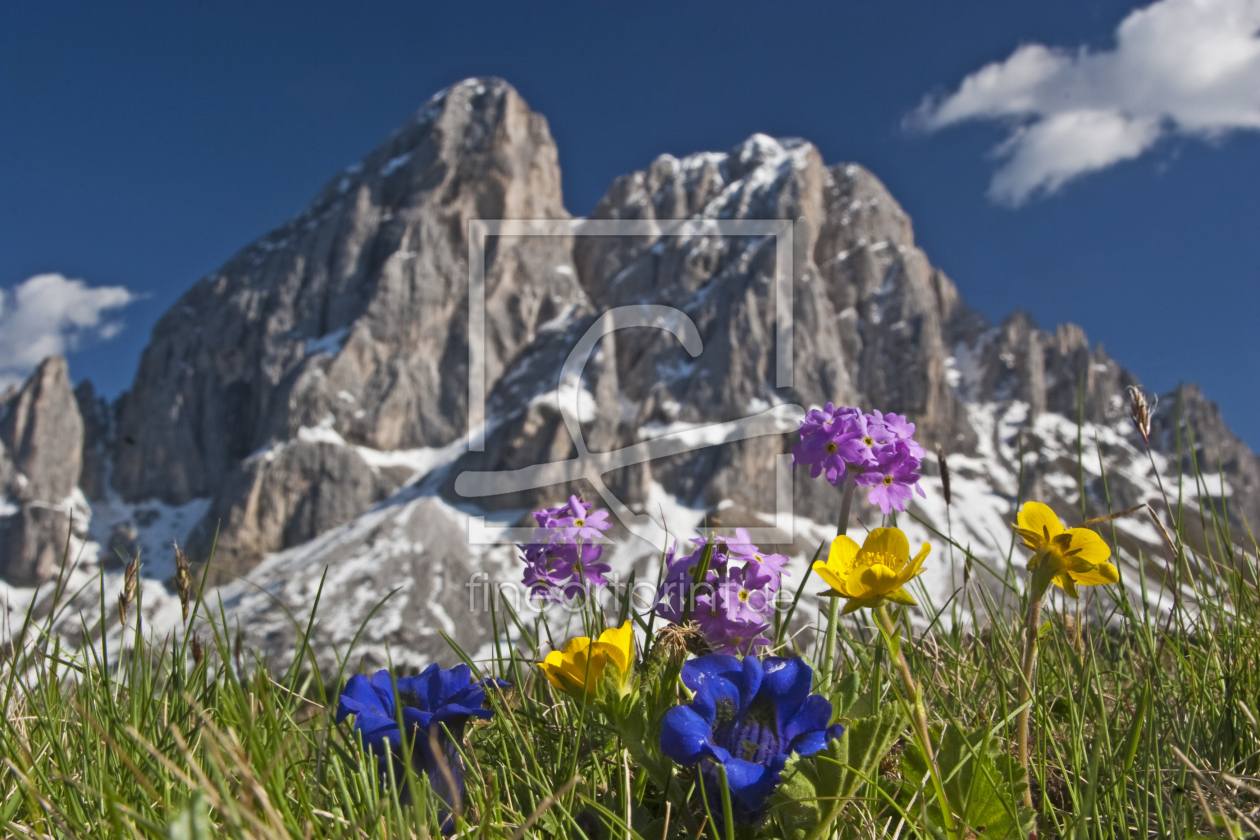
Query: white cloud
[
  {"x": 1186, "y": 67},
  {"x": 49, "y": 314}
]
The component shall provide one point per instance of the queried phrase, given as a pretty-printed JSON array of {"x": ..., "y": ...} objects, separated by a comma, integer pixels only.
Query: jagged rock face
[
  {"x": 1055, "y": 372},
  {"x": 97, "y": 438},
  {"x": 1202, "y": 438},
  {"x": 875, "y": 325},
  {"x": 316, "y": 386},
  {"x": 353, "y": 316},
  {"x": 296, "y": 491},
  {"x": 41, "y": 440},
  {"x": 871, "y": 319}
]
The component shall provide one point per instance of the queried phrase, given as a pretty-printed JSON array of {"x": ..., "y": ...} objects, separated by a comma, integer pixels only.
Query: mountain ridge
[{"x": 315, "y": 387}]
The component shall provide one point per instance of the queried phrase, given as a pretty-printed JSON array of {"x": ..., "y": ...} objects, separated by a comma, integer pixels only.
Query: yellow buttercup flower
[
  {"x": 579, "y": 668},
  {"x": 1071, "y": 557},
  {"x": 874, "y": 573}
]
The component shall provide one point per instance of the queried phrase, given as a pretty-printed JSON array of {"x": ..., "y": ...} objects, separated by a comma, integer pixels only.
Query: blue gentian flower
[
  {"x": 433, "y": 699},
  {"x": 748, "y": 716}
]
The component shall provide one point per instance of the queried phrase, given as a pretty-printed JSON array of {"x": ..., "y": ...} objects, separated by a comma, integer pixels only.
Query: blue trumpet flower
[
  {"x": 433, "y": 703},
  {"x": 749, "y": 716}
]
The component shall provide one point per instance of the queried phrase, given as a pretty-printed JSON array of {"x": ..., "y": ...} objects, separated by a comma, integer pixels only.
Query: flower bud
[
  {"x": 1140, "y": 412},
  {"x": 130, "y": 584},
  {"x": 940, "y": 457},
  {"x": 183, "y": 580},
  {"x": 677, "y": 640}
]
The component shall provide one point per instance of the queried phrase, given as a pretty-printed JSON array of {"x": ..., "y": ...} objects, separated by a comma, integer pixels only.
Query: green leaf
[
  {"x": 983, "y": 785},
  {"x": 795, "y": 803},
  {"x": 814, "y": 791},
  {"x": 1134, "y": 736},
  {"x": 845, "y": 695}
]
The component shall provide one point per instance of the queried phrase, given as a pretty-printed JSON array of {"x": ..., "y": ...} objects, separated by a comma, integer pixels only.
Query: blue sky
[{"x": 141, "y": 145}]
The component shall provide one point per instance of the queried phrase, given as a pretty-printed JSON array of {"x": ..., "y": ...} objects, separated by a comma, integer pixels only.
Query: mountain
[{"x": 306, "y": 408}]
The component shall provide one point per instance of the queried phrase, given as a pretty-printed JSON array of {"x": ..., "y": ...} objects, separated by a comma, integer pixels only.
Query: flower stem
[
  {"x": 918, "y": 714},
  {"x": 833, "y": 608},
  {"x": 1028, "y": 670}
]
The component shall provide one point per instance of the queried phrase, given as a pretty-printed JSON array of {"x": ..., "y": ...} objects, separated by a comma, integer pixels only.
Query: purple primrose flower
[{"x": 876, "y": 450}]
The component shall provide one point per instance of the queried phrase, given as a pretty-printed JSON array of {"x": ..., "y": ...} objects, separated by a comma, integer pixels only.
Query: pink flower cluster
[
  {"x": 736, "y": 599},
  {"x": 879, "y": 449},
  {"x": 563, "y": 562}
]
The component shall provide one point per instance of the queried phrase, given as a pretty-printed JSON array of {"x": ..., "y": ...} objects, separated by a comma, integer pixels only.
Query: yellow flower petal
[
  {"x": 1040, "y": 523},
  {"x": 916, "y": 565},
  {"x": 867, "y": 574},
  {"x": 843, "y": 550},
  {"x": 1103, "y": 573},
  {"x": 619, "y": 643},
  {"x": 830, "y": 577},
  {"x": 553, "y": 661},
  {"x": 574, "y": 646},
  {"x": 558, "y": 672},
  {"x": 878, "y": 580},
  {"x": 891, "y": 541},
  {"x": 579, "y": 667},
  {"x": 1088, "y": 546}
]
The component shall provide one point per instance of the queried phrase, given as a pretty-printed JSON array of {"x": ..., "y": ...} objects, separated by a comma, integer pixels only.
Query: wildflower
[
  {"x": 680, "y": 590},
  {"x": 1070, "y": 557},
  {"x": 732, "y": 604},
  {"x": 738, "y": 635},
  {"x": 891, "y": 478},
  {"x": 742, "y": 548},
  {"x": 748, "y": 716},
  {"x": 870, "y": 437},
  {"x": 718, "y": 560},
  {"x": 434, "y": 707},
  {"x": 876, "y": 450},
  {"x": 580, "y": 523},
  {"x": 899, "y": 429},
  {"x": 562, "y": 562},
  {"x": 747, "y": 593},
  {"x": 579, "y": 669},
  {"x": 873, "y": 574},
  {"x": 827, "y": 435},
  {"x": 579, "y": 566}
]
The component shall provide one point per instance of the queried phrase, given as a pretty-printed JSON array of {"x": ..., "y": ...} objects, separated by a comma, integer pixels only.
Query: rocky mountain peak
[
  {"x": 308, "y": 400},
  {"x": 41, "y": 437},
  {"x": 348, "y": 325},
  {"x": 38, "y": 421}
]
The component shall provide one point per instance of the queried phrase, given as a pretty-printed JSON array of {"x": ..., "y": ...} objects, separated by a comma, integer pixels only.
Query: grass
[{"x": 1144, "y": 722}]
